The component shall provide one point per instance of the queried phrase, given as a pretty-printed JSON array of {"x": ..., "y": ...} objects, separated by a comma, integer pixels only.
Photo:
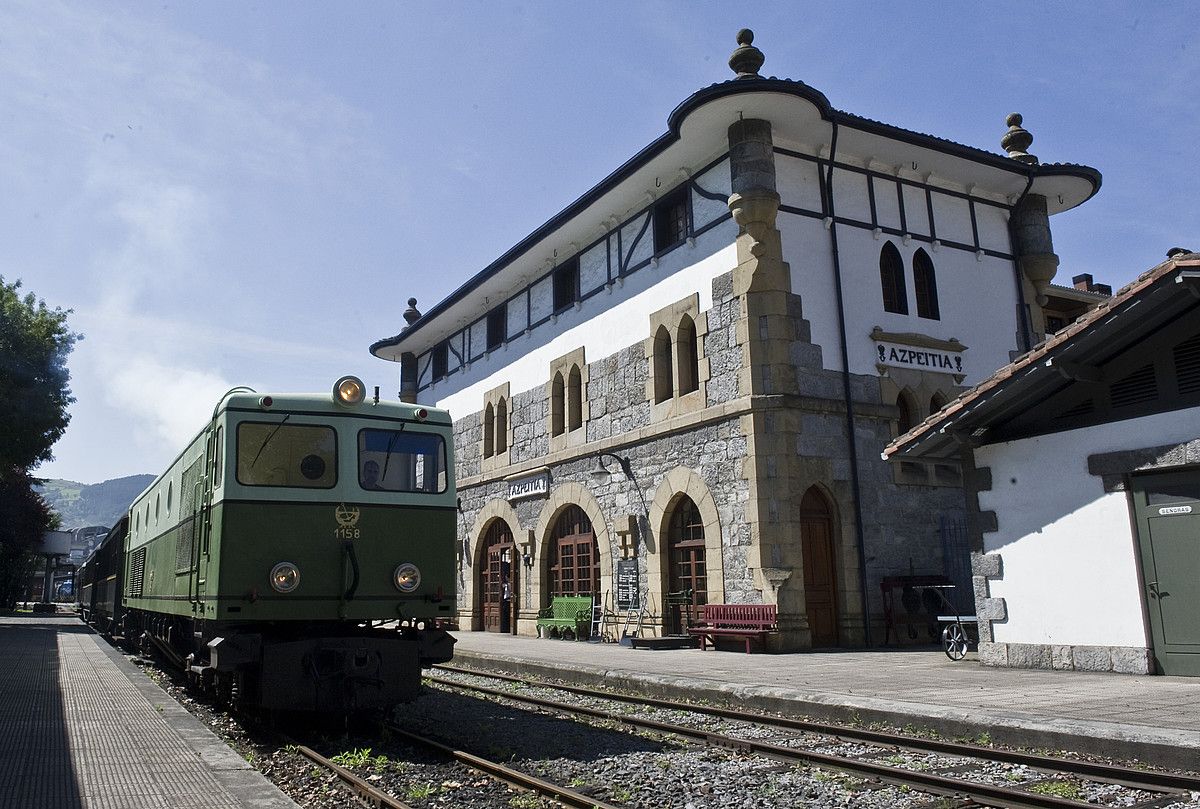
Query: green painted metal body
[{"x": 202, "y": 544}]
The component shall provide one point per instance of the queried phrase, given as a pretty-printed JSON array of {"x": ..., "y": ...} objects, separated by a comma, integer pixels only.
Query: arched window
[
  {"x": 936, "y": 403},
  {"x": 501, "y": 426},
  {"x": 557, "y": 405},
  {"x": 925, "y": 286},
  {"x": 574, "y": 556},
  {"x": 664, "y": 386},
  {"x": 489, "y": 431},
  {"x": 574, "y": 399},
  {"x": 689, "y": 356},
  {"x": 891, "y": 279},
  {"x": 687, "y": 573},
  {"x": 908, "y": 412}
]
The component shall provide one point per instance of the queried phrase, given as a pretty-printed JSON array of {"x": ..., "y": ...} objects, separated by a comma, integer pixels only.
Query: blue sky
[{"x": 247, "y": 193}]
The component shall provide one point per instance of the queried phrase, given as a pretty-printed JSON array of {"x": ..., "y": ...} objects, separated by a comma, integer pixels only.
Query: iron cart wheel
[{"x": 955, "y": 641}]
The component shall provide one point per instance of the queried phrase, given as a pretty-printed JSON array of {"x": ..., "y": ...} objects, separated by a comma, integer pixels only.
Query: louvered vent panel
[
  {"x": 1084, "y": 408},
  {"x": 1135, "y": 388},
  {"x": 183, "y": 547},
  {"x": 137, "y": 572},
  {"x": 1187, "y": 365}
]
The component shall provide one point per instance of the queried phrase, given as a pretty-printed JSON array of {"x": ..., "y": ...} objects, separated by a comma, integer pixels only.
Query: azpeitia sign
[
  {"x": 930, "y": 359},
  {"x": 529, "y": 486}
]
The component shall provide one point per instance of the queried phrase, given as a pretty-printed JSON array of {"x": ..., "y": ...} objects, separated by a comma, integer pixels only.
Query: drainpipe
[{"x": 851, "y": 437}]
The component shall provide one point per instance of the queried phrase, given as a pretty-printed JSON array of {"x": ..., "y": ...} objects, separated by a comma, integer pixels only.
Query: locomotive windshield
[
  {"x": 399, "y": 461},
  {"x": 280, "y": 454}
]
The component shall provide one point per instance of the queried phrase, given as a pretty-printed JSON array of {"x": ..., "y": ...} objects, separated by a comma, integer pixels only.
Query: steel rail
[
  {"x": 364, "y": 791},
  {"x": 1125, "y": 776},
  {"x": 563, "y": 795},
  {"x": 980, "y": 793}
]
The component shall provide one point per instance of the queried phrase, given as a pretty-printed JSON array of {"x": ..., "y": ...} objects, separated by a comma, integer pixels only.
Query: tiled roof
[{"x": 962, "y": 405}]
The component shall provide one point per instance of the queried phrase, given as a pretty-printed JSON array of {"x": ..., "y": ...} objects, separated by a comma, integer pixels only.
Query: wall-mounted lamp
[
  {"x": 527, "y": 559},
  {"x": 602, "y": 474}
]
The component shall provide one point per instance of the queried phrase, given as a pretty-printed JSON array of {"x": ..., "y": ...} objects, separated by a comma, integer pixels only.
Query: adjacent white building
[
  {"x": 682, "y": 382},
  {"x": 1084, "y": 484}
]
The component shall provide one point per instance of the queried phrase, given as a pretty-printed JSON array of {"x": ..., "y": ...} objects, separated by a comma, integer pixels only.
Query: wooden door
[
  {"x": 820, "y": 581},
  {"x": 1167, "y": 507},
  {"x": 497, "y": 583},
  {"x": 575, "y": 562},
  {"x": 687, "y": 572}
]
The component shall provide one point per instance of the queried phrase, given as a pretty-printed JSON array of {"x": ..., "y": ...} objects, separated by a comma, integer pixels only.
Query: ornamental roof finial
[
  {"x": 411, "y": 315},
  {"x": 747, "y": 59},
  {"x": 1016, "y": 140}
]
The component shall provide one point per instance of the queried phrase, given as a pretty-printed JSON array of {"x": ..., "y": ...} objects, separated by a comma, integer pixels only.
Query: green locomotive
[{"x": 299, "y": 552}]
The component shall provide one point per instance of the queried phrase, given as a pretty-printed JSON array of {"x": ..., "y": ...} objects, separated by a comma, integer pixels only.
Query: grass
[
  {"x": 361, "y": 758},
  {"x": 1059, "y": 789},
  {"x": 526, "y": 800},
  {"x": 420, "y": 792}
]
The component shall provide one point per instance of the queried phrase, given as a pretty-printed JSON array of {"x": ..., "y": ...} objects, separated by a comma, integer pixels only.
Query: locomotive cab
[{"x": 310, "y": 553}]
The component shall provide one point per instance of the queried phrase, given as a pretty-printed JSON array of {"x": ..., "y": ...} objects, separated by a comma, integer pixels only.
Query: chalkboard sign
[{"x": 627, "y": 585}]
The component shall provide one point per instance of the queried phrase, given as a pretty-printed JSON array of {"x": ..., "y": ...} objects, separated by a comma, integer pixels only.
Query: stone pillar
[
  {"x": 1029, "y": 226},
  {"x": 408, "y": 360},
  {"x": 766, "y": 330},
  {"x": 408, "y": 377},
  {"x": 1035, "y": 256}
]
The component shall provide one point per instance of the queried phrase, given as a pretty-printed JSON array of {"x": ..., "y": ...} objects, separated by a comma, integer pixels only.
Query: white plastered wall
[
  {"x": 603, "y": 324},
  {"x": 1069, "y": 571},
  {"x": 977, "y": 299}
]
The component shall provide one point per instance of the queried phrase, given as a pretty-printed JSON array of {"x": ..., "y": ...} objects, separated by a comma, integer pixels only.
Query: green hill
[{"x": 81, "y": 505}]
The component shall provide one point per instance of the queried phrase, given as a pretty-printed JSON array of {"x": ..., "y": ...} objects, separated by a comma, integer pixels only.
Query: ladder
[
  {"x": 633, "y": 615},
  {"x": 598, "y": 611}
]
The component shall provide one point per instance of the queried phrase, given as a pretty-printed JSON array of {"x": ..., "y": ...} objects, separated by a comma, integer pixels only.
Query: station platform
[
  {"x": 1149, "y": 718},
  {"x": 82, "y": 728}
]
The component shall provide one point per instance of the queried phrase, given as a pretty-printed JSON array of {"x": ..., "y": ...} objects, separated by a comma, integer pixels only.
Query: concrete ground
[
  {"x": 1155, "y": 719},
  {"x": 83, "y": 728}
]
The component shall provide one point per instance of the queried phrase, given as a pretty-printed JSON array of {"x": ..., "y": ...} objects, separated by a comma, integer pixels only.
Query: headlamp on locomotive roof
[
  {"x": 407, "y": 577},
  {"x": 349, "y": 390},
  {"x": 285, "y": 577}
]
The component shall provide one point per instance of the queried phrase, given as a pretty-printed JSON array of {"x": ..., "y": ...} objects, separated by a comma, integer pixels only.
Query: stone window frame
[
  {"x": 659, "y": 358},
  {"x": 568, "y": 411},
  {"x": 494, "y": 453}
]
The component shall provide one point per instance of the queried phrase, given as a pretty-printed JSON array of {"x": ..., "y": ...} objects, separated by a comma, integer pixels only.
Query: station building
[
  {"x": 1082, "y": 462},
  {"x": 683, "y": 381}
]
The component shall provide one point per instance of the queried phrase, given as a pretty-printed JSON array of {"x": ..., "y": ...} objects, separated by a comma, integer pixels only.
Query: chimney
[{"x": 1083, "y": 282}]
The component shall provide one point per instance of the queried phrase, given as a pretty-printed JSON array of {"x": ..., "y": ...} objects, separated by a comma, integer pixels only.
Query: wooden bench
[
  {"x": 566, "y": 613},
  {"x": 745, "y": 621}
]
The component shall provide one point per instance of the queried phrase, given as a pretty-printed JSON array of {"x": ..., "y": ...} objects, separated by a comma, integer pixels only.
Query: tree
[
  {"x": 34, "y": 344},
  {"x": 24, "y": 518}
]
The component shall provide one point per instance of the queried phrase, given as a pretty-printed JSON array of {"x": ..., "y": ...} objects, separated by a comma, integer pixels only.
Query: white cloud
[{"x": 165, "y": 405}]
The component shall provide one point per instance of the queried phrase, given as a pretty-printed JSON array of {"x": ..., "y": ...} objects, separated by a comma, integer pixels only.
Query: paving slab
[
  {"x": 1154, "y": 719},
  {"x": 83, "y": 728}
]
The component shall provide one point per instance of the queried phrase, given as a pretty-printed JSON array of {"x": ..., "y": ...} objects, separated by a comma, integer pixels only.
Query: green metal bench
[{"x": 566, "y": 614}]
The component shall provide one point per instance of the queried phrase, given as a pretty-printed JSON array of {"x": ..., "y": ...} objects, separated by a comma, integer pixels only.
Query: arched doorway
[
  {"x": 574, "y": 555},
  {"x": 498, "y": 579},
  {"x": 687, "y": 573},
  {"x": 820, "y": 579}
]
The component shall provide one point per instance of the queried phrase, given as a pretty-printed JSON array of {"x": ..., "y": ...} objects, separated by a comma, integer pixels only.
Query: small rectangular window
[
  {"x": 401, "y": 461},
  {"x": 287, "y": 455},
  {"x": 219, "y": 460},
  {"x": 566, "y": 285},
  {"x": 440, "y": 360},
  {"x": 671, "y": 219},
  {"x": 497, "y": 323}
]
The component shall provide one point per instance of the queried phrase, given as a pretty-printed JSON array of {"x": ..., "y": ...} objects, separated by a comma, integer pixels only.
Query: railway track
[
  {"x": 376, "y": 798},
  {"x": 1132, "y": 787}
]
